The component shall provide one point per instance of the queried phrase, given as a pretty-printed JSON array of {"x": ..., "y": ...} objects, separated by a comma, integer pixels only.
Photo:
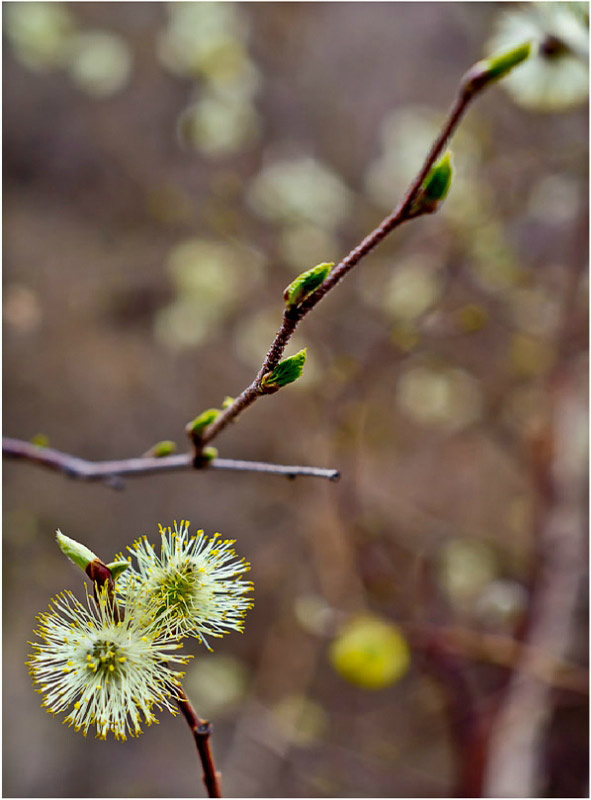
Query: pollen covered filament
[{"x": 194, "y": 587}]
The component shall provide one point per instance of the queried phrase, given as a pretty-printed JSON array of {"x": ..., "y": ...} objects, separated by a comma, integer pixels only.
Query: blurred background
[{"x": 420, "y": 628}]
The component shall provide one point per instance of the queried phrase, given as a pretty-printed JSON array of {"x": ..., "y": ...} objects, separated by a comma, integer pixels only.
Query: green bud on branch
[
  {"x": 209, "y": 453},
  {"x": 161, "y": 449},
  {"x": 200, "y": 423},
  {"x": 438, "y": 180},
  {"x": 498, "y": 66},
  {"x": 203, "y": 457},
  {"x": 306, "y": 283},
  {"x": 435, "y": 187},
  {"x": 287, "y": 371},
  {"x": 494, "y": 68}
]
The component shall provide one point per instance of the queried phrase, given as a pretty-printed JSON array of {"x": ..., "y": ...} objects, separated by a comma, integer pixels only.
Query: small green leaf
[
  {"x": 40, "y": 439},
  {"x": 76, "y": 552},
  {"x": 287, "y": 371},
  {"x": 227, "y": 402},
  {"x": 306, "y": 283},
  {"x": 201, "y": 422}
]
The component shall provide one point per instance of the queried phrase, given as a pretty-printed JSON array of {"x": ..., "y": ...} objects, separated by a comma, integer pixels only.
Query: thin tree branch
[
  {"x": 472, "y": 83},
  {"x": 111, "y": 471},
  {"x": 402, "y": 213},
  {"x": 201, "y": 732},
  {"x": 274, "y": 469}
]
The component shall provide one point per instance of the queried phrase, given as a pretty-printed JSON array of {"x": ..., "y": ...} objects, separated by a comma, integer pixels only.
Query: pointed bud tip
[
  {"x": 78, "y": 553},
  {"x": 494, "y": 68},
  {"x": 502, "y": 63}
]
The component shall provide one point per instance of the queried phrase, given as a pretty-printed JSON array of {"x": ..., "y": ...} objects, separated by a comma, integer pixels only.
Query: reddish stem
[
  {"x": 201, "y": 733},
  {"x": 292, "y": 316}
]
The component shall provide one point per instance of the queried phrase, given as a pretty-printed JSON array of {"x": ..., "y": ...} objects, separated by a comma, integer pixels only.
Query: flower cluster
[
  {"x": 109, "y": 674},
  {"x": 110, "y": 662},
  {"x": 194, "y": 587}
]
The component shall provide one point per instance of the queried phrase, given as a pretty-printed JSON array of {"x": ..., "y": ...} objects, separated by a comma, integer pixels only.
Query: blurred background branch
[{"x": 516, "y": 757}]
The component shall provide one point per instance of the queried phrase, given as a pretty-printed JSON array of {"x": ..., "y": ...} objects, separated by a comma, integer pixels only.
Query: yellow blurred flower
[{"x": 370, "y": 652}]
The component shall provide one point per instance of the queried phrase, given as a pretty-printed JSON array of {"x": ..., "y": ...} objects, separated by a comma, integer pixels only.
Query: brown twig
[
  {"x": 473, "y": 82},
  {"x": 201, "y": 733},
  {"x": 111, "y": 471},
  {"x": 404, "y": 212}
]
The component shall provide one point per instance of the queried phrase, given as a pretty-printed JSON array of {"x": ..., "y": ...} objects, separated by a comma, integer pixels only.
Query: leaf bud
[
  {"x": 287, "y": 371},
  {"x": 438, "y": 180},
  {"x": 200, "y": 423},
  {"x": 209, "y": 453},
  {"x": 435, "y": 187},
  {"x": 161, "y": 449},
  {"x": 494, "y": 68},
  {"x": 306, "y": 283}
]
